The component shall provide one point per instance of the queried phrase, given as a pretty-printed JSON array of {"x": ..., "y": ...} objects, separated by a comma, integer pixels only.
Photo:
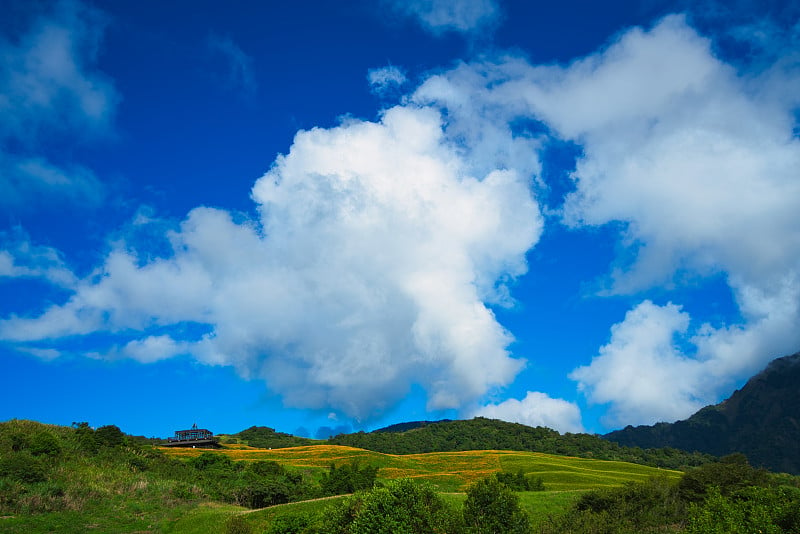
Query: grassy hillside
[{"x": 451, "y": 471}]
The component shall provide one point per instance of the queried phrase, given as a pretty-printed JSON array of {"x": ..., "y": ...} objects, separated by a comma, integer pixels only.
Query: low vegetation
[{"x": 79, "y": 479}]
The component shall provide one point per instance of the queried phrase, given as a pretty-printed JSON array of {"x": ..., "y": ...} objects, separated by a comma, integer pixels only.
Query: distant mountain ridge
[
  {"x": 761, "y": 420},
  {"x": 491, "y": 434},
  {"x": 410, "y": 425}
]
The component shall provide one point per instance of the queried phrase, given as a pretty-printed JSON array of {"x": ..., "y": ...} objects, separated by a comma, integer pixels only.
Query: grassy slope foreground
[{"x": 62, "y": 479}]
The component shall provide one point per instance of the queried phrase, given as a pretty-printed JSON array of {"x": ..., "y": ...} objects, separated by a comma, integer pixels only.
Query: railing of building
[{"x": 191, "y": 435}]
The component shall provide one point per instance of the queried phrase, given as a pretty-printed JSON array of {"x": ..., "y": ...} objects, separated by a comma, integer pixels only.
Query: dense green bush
[
  {"x": 44, "y": 443},
  {"x": 730, "y": 474},
  {"x": 520, "y": 482},
  {"x": 23, "y": 467},
  {"x": 348, "y": 478},
  {"x": 768, "y": 510},
  {"x": 401, "y": 507},
  {"x": 492, "y": 508}
]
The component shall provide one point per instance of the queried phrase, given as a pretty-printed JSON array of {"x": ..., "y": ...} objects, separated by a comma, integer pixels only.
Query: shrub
[
  {"x": 402, "y": 507},
  {"x": 519, "y": 482},
  {"x": 109, "y": 436},
  {"x": 44, "y": 443},
  {"x": 22, "y": 467},
  {"x": 492, "y": 508},
  {"x": 348, "y": 478},
  {"x": 237, "y": 524},
  {"x": 210, "y": 460}
]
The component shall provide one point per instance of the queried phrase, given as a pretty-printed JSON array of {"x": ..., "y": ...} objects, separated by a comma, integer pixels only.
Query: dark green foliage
[
  {"x": 519, "y": 482},
  {"x": 484, "y": 434},
  {"x": 44, "y": 443},
  {"x": 257, "y": 485},
  {"x": 492, "y": 508},
  {"x": 84, "y": 437},
  {"x": 729, "y": 475},
  {"x": 109, "y": 436},
  {"x": 237, "y": 525},
  {"x": 402, "y": 507},
  {"x": 23, "y": 467},
  {"x": 292, "y": 524},
  {"x": 348, "y": 478},
  {"x": 635, "y": 507},
  {"x": 264, "y": 492},
  {"x": 209, "y": 461},
  {"x": 728, "y": 496},
  {"x": 752, "y": 509},
  {"x": 264, "y": 437}
]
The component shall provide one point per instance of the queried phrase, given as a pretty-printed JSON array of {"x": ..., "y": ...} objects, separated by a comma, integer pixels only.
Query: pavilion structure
[{"x": 194, "y": 437}]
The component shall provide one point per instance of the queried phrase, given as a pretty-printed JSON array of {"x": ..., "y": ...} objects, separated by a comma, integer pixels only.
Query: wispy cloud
[
  {"x": 440, "y": 16},
  {"x": 19, "y": 258},
  {"x": 386, "y": 81},
  {"x": 49, "y": 86},
  {"x": 239, "y": 65}
]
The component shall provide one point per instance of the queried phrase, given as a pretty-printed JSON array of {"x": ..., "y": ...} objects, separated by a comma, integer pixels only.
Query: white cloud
[
  {"x": 641, "y": 372},
  {"x": 439, "y": 16},
  {"x": 368, "y": 271},
  {"x": 536, "y": 409},
  {"x": 696, "y": 159},
  {"x": 19, "y": 258},
  {"x": 384, "y": 80},
  {"x": 700, "y": 164},
  {"x": 49, "y": 86}
]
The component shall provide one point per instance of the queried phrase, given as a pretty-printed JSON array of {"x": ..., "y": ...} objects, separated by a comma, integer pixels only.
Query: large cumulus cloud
[
  {"x": 694, "y": 162},
  {"x": 369, "y": 269}
]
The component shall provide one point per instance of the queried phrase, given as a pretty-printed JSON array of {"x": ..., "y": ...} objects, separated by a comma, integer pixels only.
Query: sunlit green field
[
  {"x": 453, "y": 471},
  {"x": 565, "y": 478}
]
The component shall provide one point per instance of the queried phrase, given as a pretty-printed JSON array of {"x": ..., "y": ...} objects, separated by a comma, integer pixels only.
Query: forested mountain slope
[
  {"x": 490, "y": 434},
  {"x": 761, "y": 420}
]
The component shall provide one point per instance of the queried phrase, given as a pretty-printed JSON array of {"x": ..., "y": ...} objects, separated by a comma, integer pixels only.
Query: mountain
[{"x": 761, "y": 420}]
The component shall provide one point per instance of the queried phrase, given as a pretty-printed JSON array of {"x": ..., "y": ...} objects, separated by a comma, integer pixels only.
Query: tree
[
  {"x": 348, "y": 478},
  {"x": 109, "y": 436},
  {"x": 492, "y": 508},
  {"x": 402, "y": 507}
]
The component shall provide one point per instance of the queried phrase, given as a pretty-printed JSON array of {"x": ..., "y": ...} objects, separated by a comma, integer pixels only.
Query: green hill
[
  {"x": 491, "y": 434},
  {"x": 451, "y": 471},
  {"x": 264, "y": 437}
]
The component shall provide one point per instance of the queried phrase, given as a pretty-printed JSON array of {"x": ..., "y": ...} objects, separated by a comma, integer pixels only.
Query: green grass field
[
  {"x": 453, "y": 471},
  {"x": 565, "y": 478}
]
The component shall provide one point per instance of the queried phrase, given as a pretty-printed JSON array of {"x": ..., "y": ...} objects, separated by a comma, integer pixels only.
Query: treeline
[
  {"x": 723, "y": 497},
  {"x": 264, "y": 437},
  {"x": 491, "y": 434}
]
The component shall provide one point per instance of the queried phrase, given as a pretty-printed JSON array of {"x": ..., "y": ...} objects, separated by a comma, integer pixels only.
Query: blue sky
[{"x": 327, "y": 216}]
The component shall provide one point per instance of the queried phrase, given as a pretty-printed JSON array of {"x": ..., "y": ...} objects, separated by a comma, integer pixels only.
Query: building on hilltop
[{"x": 194, "y": 437}]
